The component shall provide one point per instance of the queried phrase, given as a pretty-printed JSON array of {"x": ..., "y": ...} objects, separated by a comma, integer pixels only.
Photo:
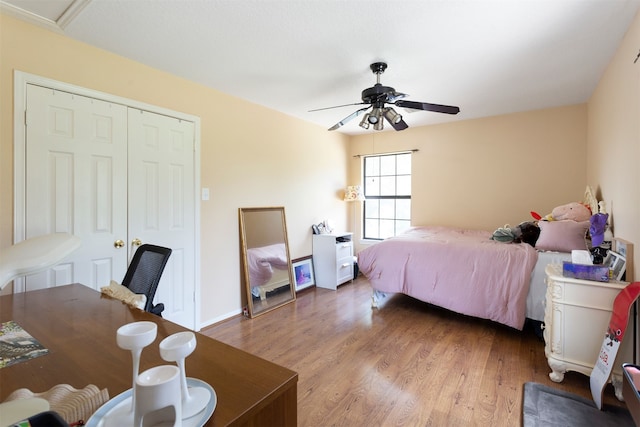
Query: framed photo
[
  {"x": 625, "y": 249},
  {"x": 303, "y": 273},
  {"x": 617, "y": 263}
]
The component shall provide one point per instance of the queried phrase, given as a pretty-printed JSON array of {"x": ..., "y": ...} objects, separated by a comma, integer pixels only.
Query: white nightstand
[
  {"x": 332, "y": 259},
  {"x": 577, "y": 315}
]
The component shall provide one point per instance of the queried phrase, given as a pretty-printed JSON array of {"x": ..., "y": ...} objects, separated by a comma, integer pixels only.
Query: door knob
[
  {"x": 118, "y": 244},
  {"x": 136, "y": 242}
]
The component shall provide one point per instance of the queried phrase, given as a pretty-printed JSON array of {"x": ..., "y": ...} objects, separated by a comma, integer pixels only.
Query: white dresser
[
  {"x": 332, "y": 259},
  {"x": 577, "y": 315}
]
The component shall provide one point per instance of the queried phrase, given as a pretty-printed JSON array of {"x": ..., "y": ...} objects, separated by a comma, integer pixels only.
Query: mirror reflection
[{"x": 266, "y": 261}]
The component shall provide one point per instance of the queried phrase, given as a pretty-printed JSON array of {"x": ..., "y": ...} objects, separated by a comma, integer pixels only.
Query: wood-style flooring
[{"x": 405, "y": 363}]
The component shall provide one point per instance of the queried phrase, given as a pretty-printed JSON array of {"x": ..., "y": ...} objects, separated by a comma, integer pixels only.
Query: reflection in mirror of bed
[{"x": 265, "y": 259}]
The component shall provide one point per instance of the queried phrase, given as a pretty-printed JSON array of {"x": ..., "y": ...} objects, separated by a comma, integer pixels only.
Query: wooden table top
[{"x": 78, "y": 325}]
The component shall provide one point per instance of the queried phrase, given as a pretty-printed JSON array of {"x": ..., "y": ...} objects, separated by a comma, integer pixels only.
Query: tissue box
[{"x": 598, "y": 273}]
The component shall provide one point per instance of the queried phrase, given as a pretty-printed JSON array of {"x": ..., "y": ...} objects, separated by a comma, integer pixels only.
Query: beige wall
[
  {"x": 250, "y": 156},
  {"x": 613, "y": 159},
  {"x": 489, "y": 172}
]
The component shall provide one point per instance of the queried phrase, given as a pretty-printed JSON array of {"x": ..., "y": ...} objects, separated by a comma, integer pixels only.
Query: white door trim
[{"x": 20, "y": 82}]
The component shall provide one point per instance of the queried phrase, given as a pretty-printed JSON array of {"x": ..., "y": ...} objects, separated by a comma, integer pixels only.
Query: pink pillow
[{"x": 562, "y": 236}]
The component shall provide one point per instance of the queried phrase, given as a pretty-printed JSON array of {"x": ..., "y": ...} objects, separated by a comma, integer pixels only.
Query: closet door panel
[
  {"x": 76, "y": 183},
  {"x": 161, "y": 203}
]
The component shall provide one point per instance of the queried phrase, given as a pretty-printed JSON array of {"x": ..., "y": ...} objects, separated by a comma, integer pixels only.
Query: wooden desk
[{"x": 78, "y": 325}]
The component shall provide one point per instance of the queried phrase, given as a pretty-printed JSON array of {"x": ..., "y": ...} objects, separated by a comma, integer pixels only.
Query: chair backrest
[{"x": 145, "y": 270}]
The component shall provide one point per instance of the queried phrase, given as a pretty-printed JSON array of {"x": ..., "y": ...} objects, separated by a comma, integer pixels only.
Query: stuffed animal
[
  {"x": 598, "y": 227},
  {"x": 526, "y": 232},
  {"x": 530, "y": 233},
  {"x": 574, "y": 211}
]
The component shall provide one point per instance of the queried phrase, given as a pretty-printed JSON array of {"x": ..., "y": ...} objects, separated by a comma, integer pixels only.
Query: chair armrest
[{"x": 157, "y": 309}]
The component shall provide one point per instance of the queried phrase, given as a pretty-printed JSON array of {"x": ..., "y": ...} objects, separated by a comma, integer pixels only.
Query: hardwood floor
[{"x": 406, "y": 363}]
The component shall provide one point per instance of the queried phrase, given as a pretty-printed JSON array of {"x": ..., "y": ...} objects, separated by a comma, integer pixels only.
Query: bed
[
  {"x": 462, "y": 270},
  {"x": 268, "y": 268}
]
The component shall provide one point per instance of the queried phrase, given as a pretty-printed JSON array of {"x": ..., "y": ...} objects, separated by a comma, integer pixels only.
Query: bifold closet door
[
  {"x": 76, "y": 182},
  {"x": 161, "y": 203},
  {"x": 116, "y": 177}
]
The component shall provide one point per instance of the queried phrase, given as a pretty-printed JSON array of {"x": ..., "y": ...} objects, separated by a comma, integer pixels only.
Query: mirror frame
[{"x": 251, "y": 312}]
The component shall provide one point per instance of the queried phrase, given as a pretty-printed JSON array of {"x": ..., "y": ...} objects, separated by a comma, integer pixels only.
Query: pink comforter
[{"x": 461, "y": 270}]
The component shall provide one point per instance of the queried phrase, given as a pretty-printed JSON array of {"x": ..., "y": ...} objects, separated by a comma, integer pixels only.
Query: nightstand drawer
[
  {"x": 344, "y": 269},
  {"x": 344, "y": 250},
  {"x": 596, "y": 297}
]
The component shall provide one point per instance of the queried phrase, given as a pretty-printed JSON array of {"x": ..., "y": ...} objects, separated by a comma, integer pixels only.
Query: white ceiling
[{"x": 488, "y": 57}]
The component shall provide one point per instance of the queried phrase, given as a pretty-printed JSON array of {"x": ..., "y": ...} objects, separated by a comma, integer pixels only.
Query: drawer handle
[
  {"x": 346, "y": 264},
  {"x": 346, "y": 245}
]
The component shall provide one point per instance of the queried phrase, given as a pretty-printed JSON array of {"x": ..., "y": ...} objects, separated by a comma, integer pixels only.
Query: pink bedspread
[{"x": 461, "y": 270}]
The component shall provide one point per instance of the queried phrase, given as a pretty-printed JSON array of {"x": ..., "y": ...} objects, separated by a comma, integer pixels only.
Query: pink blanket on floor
[{"x": 461, "y": 270}]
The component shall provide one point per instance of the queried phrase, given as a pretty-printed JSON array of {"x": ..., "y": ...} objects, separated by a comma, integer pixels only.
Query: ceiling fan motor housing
[
  {"x": 378, "y": 67},
  {"x": 377, "y": 95}
]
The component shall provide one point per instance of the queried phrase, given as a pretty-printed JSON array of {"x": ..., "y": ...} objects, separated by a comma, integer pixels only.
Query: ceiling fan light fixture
[
  {"x": 374, "y": 117},
  {"x": 364, "y": 123},
  {"x": 379, "y": 125},
  {"x": 392, "y": 116}
]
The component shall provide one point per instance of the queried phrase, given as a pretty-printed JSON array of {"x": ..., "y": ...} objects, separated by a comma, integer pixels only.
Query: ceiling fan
[{"x": 377, "y": 98}]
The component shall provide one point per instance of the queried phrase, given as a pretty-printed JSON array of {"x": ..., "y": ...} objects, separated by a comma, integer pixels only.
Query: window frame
[{"x": 394, "y": 197}]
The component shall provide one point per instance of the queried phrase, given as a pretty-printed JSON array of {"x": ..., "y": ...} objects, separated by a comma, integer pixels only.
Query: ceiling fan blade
[
  {"x": 394, "y": 96},
  {"x": 447, "y": 109},
  {"x": 401, "y": 125},
  {"x": 349, "y": 117},
  {"x": 337, "y": 106}
]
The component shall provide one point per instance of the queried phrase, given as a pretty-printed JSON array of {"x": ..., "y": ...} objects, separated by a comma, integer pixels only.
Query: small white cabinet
[
  {"x": 332, "y": 259},
  {"x": 577, "y": 315}
]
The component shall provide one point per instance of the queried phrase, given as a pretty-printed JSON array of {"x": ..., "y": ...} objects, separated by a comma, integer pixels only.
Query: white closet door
[
  {"x": 161, "y": 203},
  {"x": 76, "y": 182}
]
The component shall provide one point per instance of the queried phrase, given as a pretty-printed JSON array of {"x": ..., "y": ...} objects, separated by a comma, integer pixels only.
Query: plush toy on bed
[
  {"x": 574, "y": 211},
  {"x": 598, "y": 226},
  {"x": 525, "y": 232}
]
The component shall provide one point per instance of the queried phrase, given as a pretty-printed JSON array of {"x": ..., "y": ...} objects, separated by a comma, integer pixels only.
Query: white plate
[{"x": 108, "y": 413}]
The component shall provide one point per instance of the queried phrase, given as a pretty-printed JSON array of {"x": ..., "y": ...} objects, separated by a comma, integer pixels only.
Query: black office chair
[{"x": 144, "y": 272}]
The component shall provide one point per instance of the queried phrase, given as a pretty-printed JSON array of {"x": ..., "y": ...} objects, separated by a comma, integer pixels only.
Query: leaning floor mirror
[{"x": 265, "y": 259}]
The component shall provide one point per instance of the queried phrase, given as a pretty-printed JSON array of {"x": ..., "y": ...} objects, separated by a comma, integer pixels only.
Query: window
[{"x": 387, "y": 188}]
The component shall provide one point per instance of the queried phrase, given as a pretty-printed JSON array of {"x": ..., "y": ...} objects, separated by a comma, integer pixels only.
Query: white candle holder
[
  {"x": 134, "y": 337},
  {"x": 175, "y": 348}
]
